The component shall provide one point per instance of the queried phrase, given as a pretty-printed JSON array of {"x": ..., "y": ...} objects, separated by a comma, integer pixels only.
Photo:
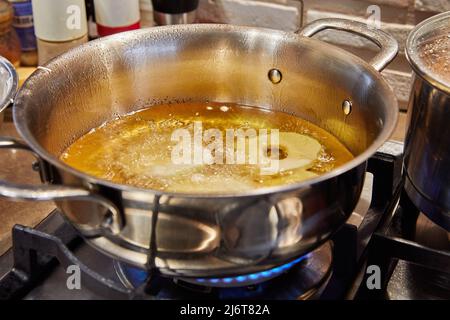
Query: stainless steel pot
[
  {"x": 191, "y": 235},
  {"x": 427, "y": 152},
  {"x": 8, "y": 85}
]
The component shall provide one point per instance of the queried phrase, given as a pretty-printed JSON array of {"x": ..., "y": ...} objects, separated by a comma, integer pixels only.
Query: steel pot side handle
[
  {"x": 387, "y": 43},
  {"x": 113, "y": 223}
]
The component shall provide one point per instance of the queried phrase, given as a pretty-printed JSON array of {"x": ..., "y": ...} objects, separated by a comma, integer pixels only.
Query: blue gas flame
[
  {"x": 253, "y": 277},
  {"x": 139, "y": 275}
]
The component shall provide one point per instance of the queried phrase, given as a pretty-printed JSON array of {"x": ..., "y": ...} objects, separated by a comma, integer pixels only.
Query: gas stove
[{"x": 385, "y": 251}]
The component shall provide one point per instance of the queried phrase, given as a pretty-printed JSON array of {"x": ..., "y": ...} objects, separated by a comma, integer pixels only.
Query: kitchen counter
[{"x": 16, "y": 167}]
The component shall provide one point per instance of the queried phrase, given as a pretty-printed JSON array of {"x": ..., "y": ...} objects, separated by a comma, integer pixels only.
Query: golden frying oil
[{"x": 136, "y": 149}]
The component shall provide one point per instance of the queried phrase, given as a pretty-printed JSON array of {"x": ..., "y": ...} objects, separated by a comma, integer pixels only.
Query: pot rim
[
  {"x": 410, "y": 53},
  {"x": 386, "y": 131}
]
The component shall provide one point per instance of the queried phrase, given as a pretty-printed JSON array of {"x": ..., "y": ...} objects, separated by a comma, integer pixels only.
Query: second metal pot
[{"x": 427, "y": 145}]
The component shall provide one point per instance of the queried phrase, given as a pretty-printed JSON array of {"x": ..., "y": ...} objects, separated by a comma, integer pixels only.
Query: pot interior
[{"x": 113, "y": 76}]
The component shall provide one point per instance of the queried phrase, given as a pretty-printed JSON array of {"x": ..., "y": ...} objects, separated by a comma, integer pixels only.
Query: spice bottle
[
  {"x": 114, "y": 16},
  {"x": 23, "y": 24},
  {"x": 9, "y": 41},
  {"x": 59, "y": 26}
]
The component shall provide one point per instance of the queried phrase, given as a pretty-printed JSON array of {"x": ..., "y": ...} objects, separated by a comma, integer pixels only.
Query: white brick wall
[
  {"x": 401, "y": 83},
  {"x": 256, "y": 13},
  {"x": 394, "y": 3}
]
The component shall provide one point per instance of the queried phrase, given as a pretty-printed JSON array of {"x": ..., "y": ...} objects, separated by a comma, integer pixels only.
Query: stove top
[{"x": 385, "y": 231}]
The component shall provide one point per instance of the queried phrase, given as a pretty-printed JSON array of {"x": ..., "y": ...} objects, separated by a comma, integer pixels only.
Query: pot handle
[
  {"x": 112, "y": 223},
  {"x": 387, "y": 43}
]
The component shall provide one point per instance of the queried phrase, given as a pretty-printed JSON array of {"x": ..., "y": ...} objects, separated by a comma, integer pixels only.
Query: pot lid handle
[{"x": 387, "y": 43}]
